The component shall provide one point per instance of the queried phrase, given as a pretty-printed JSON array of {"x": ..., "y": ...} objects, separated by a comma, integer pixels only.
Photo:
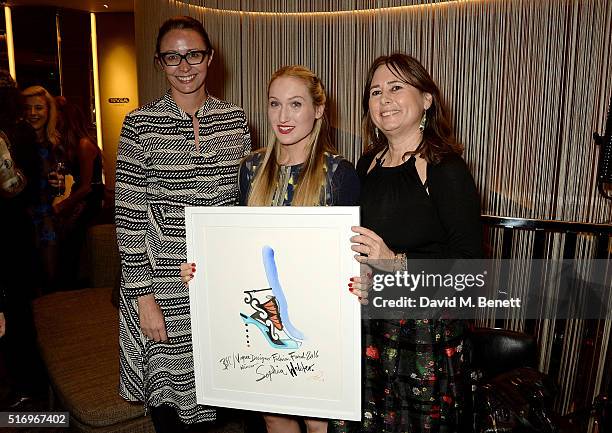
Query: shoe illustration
[{"x": 271, "y": 315}]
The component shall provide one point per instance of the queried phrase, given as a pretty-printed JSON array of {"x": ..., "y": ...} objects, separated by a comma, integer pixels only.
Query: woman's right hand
[
  {"x": 152, "y": 323},
  {"x": 187, "y": 272},
  {"x": 57, "y": 180}
]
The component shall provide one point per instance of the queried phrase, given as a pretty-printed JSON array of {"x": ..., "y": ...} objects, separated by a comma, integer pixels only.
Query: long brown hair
[
  {"x": 74, "y": 127},
  {"x": 438, "y": 136},
  {"x": 312, "y": 176}
]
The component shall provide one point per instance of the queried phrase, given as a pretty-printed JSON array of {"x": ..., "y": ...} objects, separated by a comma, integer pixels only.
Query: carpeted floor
[{"x": 253, "y": 422}]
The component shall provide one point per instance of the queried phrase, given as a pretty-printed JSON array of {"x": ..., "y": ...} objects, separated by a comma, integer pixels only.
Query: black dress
[
  {"x": 93, "y": 201},
  {"x": 18, "y": 347},
  {"x": 73, "y": 223},
  {"x": 413, "y": 367}
]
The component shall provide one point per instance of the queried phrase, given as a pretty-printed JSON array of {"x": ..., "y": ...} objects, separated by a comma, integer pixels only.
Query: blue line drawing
[
  {"x": 277, "y": 290},
  {"x": 271, "y": 315}
]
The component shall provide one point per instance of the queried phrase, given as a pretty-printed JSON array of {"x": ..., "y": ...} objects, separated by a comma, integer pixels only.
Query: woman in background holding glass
[{"x": 40, "y": 112}]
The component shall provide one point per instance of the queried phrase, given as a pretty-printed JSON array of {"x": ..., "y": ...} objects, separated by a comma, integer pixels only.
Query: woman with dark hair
[
  {"x": 418, "y": 201},
  {"x": 83, "y": 161},
  {"x": 183, "y": 149},
  {"x": 19, "y": 180}
]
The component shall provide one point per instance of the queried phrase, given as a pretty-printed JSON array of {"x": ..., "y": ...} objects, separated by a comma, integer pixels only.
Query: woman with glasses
[{"x": 181, "y": 150}]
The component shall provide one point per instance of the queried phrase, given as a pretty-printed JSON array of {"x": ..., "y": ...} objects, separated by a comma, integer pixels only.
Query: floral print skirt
[{"x": 412, "y": 372}]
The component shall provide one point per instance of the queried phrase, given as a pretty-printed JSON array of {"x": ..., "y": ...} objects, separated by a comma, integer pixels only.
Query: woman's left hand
[
  {"x": 187, "y": 272},
  {"x": 2, "y": 325},
  {"x": 369, "y": 243}
]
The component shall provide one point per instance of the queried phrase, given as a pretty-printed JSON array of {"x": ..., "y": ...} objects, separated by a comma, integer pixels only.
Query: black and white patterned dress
[{"x": 159, "y": 172}]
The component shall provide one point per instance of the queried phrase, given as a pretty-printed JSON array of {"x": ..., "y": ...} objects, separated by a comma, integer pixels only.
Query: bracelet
[{"x": 400, "y": 262}]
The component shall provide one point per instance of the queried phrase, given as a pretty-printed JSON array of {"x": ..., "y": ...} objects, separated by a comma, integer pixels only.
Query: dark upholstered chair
[
  {"x": 495, "y": 351},
  {"x": 507, "y": 393}
]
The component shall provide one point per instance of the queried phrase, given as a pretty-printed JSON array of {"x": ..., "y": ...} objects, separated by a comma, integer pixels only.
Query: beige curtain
[{"x": 527, "y": 81}]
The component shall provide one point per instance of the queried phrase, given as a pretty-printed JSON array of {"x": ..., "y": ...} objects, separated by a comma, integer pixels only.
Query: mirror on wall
[
  {"x": 53, "y": 50},
  {"x": 36, "y": 49},
  {"x": 3, "y": 50}
]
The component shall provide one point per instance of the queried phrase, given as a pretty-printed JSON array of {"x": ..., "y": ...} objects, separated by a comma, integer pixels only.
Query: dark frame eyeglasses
[{"x": 194, "y": 57}]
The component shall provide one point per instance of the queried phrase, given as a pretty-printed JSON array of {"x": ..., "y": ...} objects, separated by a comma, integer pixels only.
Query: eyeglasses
[{"x": 194, "y": 57}]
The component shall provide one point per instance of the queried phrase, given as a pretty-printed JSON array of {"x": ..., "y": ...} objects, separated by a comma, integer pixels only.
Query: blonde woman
[
  {"x": 41, "y": 113},
  {"x": 298, "y": 167}
]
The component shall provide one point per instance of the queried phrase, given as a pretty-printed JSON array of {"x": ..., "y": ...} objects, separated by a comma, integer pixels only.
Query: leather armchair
[{"x": 506, "y": 392}]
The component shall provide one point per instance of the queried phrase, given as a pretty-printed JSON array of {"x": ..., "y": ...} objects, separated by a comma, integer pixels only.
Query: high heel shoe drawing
[{"x": 276, "y": 343}]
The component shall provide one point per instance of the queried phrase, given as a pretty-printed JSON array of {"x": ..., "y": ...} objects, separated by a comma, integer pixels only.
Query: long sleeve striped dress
[{"x": 159, "y": 172}]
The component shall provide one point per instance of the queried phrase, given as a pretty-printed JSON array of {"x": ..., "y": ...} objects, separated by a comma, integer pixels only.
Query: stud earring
[{"x": 423, "y": 121}]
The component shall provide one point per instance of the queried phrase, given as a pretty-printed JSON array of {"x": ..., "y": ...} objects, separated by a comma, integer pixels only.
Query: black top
[
  {"x": 441, "y": 220},
  {"x": 24, "y": 151},
  {"x": 15, "y": 220},
  {"x": 96, "y": 177},
  {"x": 96, "y": 195}
]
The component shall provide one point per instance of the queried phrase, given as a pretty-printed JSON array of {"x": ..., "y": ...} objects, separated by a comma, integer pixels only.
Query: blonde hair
[
  {"x": 53, "y": 134},
  {"x": 311, "y": 181}
]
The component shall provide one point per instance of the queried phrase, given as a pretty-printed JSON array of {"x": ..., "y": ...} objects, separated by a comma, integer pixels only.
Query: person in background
[
  {"x": 41, "y": 113},
  {"x": 183, "y": 149},
  {"x": 418, "y": 201},
  {"x": 2, "y": 318},
  {"x": 18, "y": 176},
  {"x": 76, "y": 212},
  {"x": 298, "y": 167}
]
